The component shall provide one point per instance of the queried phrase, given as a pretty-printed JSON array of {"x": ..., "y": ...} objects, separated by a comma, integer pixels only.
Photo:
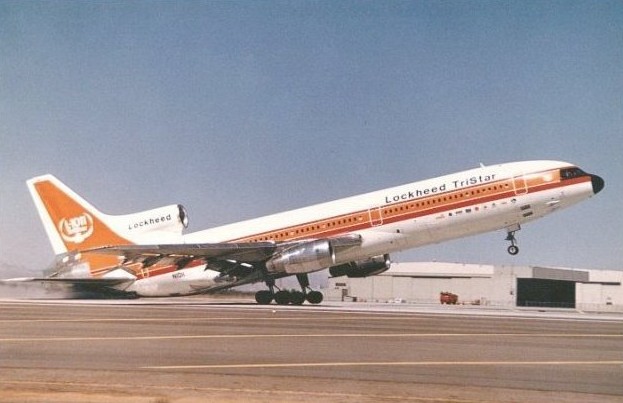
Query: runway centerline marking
[
  {"x": 290, "y": 336},
  {"x": 385, "y": 364}
]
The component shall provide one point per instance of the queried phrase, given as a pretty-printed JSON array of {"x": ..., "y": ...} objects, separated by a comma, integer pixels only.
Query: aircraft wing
[
  {"x": 239, "y": 259},
  {"x": 220, "y": 256},
  {"x": 250, "y": 252}
]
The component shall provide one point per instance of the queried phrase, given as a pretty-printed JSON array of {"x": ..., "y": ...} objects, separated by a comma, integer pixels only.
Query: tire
[
  {"x": 282, "y": 297},
  {"x": 513, "y": 250},
  {"x": 314, "y": 297},
  {"x": 297, "y": 298},
  {"x": 263, "y": 297}
]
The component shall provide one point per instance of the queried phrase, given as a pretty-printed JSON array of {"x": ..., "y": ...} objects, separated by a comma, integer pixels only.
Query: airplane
[{"x": 147, "y": 254}]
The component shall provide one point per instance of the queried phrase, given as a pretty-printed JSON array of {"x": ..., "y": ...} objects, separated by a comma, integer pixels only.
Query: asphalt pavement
[{"x": 196, "y": 349}]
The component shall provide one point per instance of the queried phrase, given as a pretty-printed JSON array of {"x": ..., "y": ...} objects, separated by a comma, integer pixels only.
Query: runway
[{"x": 199, "y": 349}]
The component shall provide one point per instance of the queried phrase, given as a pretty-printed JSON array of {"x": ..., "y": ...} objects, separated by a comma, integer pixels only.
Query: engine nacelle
[
  {"x": 305, "y": 258},
  {"x": 362, "y": 268},
  {"x": 182, "y": 215}
]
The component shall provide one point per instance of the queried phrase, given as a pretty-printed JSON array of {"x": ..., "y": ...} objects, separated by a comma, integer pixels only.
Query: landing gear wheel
[
  {"x": 264, "y": 297},
  {"x": 314, "y": 297},
  {"x": 297, "y": 298},
  {"x": 282, "y": 297},
  {"x": 513, "y": 250}
]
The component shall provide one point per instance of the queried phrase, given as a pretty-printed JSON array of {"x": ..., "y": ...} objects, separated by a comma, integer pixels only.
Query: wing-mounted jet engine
[{"x": 362, "y": 268}]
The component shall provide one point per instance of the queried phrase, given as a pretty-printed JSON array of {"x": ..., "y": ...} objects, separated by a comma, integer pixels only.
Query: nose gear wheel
[{"x": 513, "y": 249}]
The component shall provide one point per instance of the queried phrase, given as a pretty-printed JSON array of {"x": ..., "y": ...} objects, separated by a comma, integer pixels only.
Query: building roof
[{"x": 439, "y": 269}]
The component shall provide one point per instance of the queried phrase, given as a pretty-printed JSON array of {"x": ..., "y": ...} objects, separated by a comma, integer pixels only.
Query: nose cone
[{"x": 598, "y": 183}]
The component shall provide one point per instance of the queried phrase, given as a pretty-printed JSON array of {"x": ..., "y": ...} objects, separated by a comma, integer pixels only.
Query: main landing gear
[
  {"x": 284, "y": 297},
  {"x": 513, "y": 249}
]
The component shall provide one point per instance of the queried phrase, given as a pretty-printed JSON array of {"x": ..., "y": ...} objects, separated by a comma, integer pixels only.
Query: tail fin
[
  {"x": 70, "y": 222},
  {"x": 73, "y": 224}
]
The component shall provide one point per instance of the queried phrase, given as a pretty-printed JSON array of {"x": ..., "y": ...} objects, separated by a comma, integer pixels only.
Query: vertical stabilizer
[{"x": 70, "y": 222}]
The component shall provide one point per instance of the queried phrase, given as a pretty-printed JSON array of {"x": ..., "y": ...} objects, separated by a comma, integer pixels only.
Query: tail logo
[{"x": 76, "y": 229}]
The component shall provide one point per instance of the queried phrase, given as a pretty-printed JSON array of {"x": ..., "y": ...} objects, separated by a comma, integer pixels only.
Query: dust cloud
[{"x": 28, "y": 290}]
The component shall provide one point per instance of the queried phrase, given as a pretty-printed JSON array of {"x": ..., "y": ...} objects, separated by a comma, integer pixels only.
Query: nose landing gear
[{"x": 513, "y": 249}]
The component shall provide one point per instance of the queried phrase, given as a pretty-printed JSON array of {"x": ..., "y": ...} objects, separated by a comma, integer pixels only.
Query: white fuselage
[{"x": 416, "y": 214}]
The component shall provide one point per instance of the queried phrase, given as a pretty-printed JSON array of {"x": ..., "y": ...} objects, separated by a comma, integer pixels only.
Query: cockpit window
[{"x": 570, "y": 173}]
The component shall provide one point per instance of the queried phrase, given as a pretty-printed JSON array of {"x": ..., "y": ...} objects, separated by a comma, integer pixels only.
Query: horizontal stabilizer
[{"x": 103, "y": 282}]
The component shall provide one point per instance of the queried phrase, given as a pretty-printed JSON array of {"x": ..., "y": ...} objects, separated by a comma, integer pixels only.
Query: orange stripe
[{"x": 415, "y": 208}]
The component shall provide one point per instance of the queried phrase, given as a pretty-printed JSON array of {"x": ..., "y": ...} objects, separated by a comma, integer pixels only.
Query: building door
[{"x": 545, "y": 293}]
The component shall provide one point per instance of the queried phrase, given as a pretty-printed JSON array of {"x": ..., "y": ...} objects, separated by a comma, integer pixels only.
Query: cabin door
[{"x": 519, "y": 185}]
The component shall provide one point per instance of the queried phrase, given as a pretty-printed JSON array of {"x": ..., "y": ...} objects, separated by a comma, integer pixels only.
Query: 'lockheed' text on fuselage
[{"x": 452, "y": 185}]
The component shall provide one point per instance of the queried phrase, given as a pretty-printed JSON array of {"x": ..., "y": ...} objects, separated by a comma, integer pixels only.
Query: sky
[{"x": 237, "y": 109}]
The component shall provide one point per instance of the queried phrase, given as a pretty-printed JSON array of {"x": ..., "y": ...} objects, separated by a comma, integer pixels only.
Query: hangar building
[{"x": 503, "y": 286}]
